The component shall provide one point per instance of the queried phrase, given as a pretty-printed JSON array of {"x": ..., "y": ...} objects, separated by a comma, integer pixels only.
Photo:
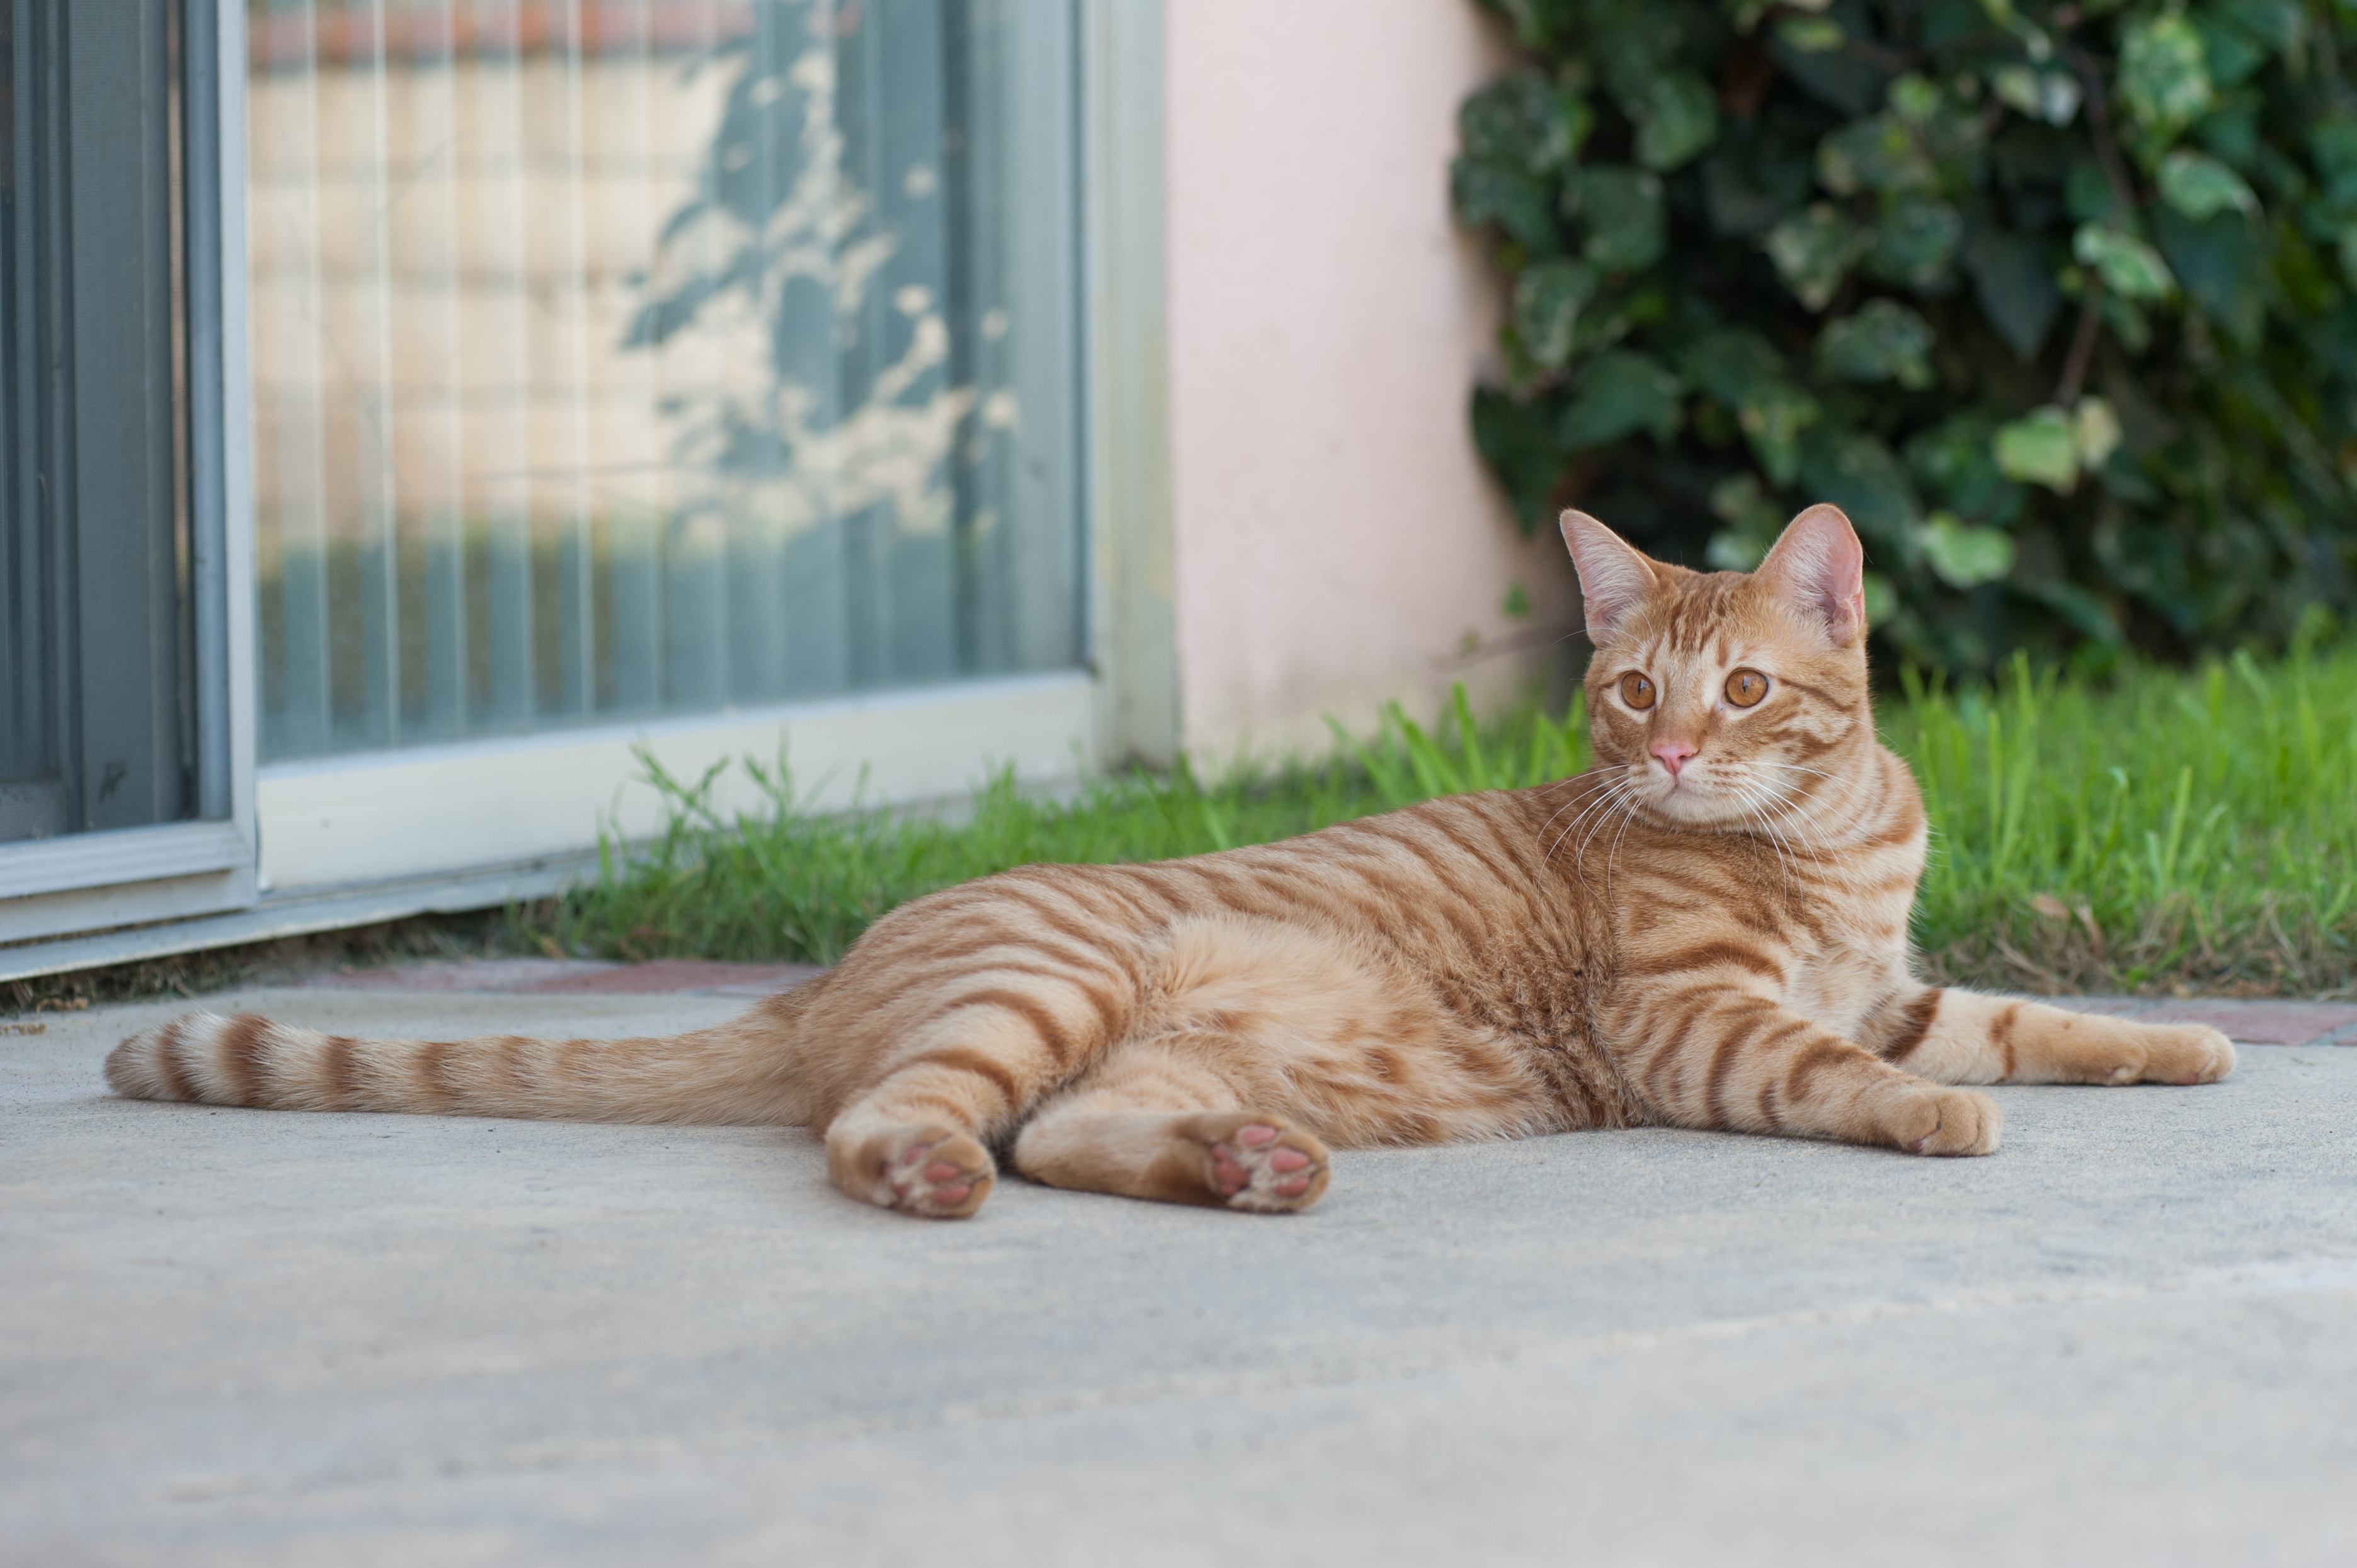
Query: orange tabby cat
[{"x": 1708, "y": 929}]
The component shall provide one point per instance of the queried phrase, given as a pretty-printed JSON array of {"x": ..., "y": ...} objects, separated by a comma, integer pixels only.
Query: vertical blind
[{"x": 618, "y": 357}]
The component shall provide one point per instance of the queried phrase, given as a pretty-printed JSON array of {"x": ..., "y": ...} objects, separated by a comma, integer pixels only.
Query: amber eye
[
  {"x": 1636, "y": 690},
  {"x": 1746, "y": 687}
]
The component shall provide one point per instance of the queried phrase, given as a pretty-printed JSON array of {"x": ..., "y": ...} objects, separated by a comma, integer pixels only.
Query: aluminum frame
[{"x": 90, "y": 880}]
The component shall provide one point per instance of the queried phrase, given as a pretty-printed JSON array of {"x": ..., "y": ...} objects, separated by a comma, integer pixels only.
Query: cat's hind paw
[
  {"x": 935, "y": 1173},
  {"x": 1259, "y": 1163}
]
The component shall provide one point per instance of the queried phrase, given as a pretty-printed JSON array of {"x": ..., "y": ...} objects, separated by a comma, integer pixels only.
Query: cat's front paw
[
  {"x": 1931, "y": 1120},
  {"x": 2181, "y": 1053}
]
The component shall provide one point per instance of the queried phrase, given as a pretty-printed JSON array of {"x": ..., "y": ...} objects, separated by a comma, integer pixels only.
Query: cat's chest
[{"x": 1841, "y": 965}]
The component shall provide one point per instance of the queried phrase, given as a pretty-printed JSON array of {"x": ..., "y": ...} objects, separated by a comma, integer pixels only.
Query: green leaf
[
  {"x": 2095, "y": 433},
  {"x": 1914, "y": 98},
  {"x": 1741, "y": 371},
  {"x": 1732, "y": 364},
  {"x": 1748, "y": 184},
  {"x": 2132, "y": 269},
  {"x": 2280, "y": 25},
  {"x": 1812, "y": 251},
  {"x": 2016, "y": 291},
  {"x": 2201, "y": 187},
  {"x": 1878, "y": 153},
  {"x": 1915, "y": 241},
  {"x": 1620, "y": 217},
  {"x": 1954, "y": 459},
  {"x": 1622, "y": 392},
  {"x": 1884, "y": 341},
  {"x": 1548, "y": 300},
  {"x": 1515, "y": 439},
  {"x": 1753, "y": 520},
  {"x": 2164, "y": 74},
  {"x": 2041, "y": 449},
  {"x": 1522, "y": 120},
  {"x": 1864, "y": 478},
  {"x": 2086, "y": 614},
  {"x": 1678, "y": 119},
  {"x": 1811, "y": 35},
  {"x": 2049, "y": 95},
  {"x": 2222, "y": 261},
  {"x": 1773, "y": 420},
  {"x": 2088, "y": 195},
  {"x": 2232, "y": 53},
  {"x": 1485, "y": 193},
  {"x": 2333, "y": 143},
  {"x": 1965, "y": 556}
]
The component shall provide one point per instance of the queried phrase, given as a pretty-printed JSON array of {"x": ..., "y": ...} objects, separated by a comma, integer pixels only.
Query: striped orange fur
[{"x": 1708, "y": 929}]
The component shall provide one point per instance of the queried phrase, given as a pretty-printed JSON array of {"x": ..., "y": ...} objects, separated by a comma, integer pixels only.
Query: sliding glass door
[
  {"x": 408, "y": 407},
  {"x": 101, "y": 718},
  {"x": 655, "y": 358}
]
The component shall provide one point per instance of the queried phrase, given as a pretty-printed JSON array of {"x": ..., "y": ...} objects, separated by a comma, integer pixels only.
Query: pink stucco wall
[{"x": 1337, "y": 543}]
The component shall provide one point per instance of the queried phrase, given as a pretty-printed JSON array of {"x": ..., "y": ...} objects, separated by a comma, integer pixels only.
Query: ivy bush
[{"x": 2058, "y": 302}]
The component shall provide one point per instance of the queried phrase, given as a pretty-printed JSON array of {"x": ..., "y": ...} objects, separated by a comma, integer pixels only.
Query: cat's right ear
[
  {"x": 1818, "y": 567},
  {"x": 1614, "y": 575}
]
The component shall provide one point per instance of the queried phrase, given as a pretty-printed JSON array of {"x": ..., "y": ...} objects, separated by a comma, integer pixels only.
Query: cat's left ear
[
  {"x": 1614, "y": 576},
  {"x": 1818, "y": 568}
]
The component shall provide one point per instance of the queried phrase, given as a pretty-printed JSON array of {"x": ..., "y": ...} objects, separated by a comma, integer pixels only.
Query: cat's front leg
[
  {"x": 1962, "y": 1036},
  {"x": 1739, "y": 1061}
]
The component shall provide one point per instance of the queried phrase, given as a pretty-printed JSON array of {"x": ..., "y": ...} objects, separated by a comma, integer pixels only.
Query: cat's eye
[
  {"x": 1746, "y": 687},
  {"x": 1636, "y": 690}
]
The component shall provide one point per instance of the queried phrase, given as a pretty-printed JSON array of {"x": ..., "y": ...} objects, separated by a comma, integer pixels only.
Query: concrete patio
[{"x": 259, "y": 1338}]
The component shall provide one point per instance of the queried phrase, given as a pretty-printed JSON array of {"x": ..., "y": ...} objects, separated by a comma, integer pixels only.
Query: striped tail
[{"x": 739, "y": 1072}]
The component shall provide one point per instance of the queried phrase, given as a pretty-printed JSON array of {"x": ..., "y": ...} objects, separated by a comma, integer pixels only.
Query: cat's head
[{"x": 1723, "y": 696}]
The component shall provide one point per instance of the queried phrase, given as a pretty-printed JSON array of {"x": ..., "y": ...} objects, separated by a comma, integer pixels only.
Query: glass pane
[
  {"x": 636, "y": 357},
  {"x": 97, "y": 711}
]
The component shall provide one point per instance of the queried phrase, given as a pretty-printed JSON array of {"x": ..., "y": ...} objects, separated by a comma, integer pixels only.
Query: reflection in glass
[{"x": 627, "y": 357}]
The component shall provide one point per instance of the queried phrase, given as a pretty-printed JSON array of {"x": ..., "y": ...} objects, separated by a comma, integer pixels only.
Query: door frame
[{"x": 119, "y": 876}]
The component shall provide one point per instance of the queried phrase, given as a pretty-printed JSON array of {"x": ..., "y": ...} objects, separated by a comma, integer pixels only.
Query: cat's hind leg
[
  {"x": 952, "y": 1075},
  {"x": 915, "y": 1143},
  {"x": 1962, "y": 1036},
  {"x": 1159, "y": 1119}
]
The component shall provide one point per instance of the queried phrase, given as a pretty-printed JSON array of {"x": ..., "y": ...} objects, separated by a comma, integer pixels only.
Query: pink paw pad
[
  {"x": 921, "y": 1183},
  {"x": 1256, "y": 1170}
]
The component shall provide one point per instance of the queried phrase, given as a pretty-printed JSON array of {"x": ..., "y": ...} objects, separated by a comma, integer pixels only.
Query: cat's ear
[
  {"x": 1818, "y": 568},
  {"x": 1614, "y": 575}
]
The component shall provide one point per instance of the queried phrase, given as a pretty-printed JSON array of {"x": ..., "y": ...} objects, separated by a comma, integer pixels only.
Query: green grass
[
  {"x": 785, "y": 883},
  {"x": 2175, "y": 830},
  {"x": 2167, "y": 830}
]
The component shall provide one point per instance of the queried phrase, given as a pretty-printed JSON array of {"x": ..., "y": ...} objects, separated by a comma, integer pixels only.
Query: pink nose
[{"x": 1672, "y": 755}]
